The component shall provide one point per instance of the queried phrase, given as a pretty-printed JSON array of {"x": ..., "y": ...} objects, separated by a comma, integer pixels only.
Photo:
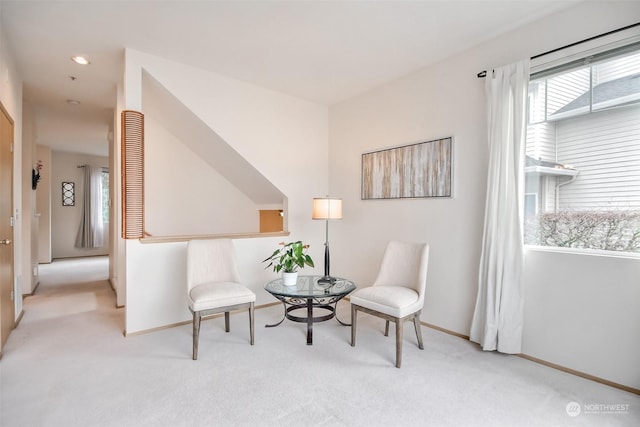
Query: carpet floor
[{"x": 68, "y": 364}]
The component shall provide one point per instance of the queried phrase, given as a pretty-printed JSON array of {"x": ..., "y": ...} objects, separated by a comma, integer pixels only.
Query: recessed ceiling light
[
  {"x": 80, "y": 60},
  {"x": 73, "y": 102}
]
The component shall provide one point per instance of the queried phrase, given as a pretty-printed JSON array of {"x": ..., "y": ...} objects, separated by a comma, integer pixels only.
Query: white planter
[{"x": 289, "y": 279}]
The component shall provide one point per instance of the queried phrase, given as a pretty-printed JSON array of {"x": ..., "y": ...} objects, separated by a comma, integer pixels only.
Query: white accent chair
[
  {"x": 213, "y": 284},
  {"x": 397, "y": 293}
]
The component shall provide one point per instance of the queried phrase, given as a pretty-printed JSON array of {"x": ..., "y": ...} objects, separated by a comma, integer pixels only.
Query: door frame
[{"x": 7, "y": 291}]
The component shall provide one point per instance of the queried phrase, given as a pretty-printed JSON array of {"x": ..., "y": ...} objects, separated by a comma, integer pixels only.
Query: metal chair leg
[
  {"x": 226, "y": 321},
  {"x": 196, "y": 333},
  {"x": 386, "y": 328}
]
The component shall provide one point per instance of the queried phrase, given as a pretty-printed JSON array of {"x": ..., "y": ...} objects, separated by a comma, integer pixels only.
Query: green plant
[{"x": 289, "y": 257}]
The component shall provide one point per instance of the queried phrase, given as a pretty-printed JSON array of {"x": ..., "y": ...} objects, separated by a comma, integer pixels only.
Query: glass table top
[{"x": 308, "y": 287}]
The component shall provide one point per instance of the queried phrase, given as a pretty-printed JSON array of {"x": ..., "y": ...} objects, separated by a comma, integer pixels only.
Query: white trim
[
  {"x": 578, "y": 251},
  {"x": 592, "y": 47},
  {"x": 545, "y": 170}
]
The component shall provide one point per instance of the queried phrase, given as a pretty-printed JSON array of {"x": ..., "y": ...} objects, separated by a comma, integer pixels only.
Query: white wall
[
  {"x": 447, "y": 99},
  {"x": 29, "y": 227},
  {"x": 65, "y": 220},
  {"x": 117, "y": 248},
  {"x": 156, "y": 287},
  {"x": 42, "y": 213},
  {"x": 284, "y": 138},
  {"x": 581, "y": 311},
  {"x": 444, "y": 100},
  {"x": 184, "y": 195}
]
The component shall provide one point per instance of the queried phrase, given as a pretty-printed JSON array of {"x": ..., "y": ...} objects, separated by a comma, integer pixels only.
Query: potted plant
[{"x": 288, "y": 259}]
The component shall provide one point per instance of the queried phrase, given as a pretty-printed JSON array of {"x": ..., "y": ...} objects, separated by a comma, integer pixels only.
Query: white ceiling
[{"x": 323, "y": 51}]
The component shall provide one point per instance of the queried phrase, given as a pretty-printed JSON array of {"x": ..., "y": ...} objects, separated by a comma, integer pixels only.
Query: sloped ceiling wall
[{"x": 205, "y": 142}]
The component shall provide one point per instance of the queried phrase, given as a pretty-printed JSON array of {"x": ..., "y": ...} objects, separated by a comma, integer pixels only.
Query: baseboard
[
  {"x": 581, "y": 374},
  {"x": 447, "y": 331},
  {"x": 115, "y": 293},
  {"x": 64, "y": 258},
  {"x": 187, "y": 322},
  {"x": 159, "y": 328},
  {"x": 548, "y": 364},
  {"x": 32, "y": 292},
  {"x": 17, "y": 322}
]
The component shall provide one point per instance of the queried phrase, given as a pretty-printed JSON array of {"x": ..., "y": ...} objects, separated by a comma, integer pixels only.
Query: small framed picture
[{"x": 68, "y": 194}]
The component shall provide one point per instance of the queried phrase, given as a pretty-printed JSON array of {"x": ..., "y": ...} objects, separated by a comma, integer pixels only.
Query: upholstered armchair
[
  {"x": 397, "y": 293},
  {"x": 213, "y": 284}
]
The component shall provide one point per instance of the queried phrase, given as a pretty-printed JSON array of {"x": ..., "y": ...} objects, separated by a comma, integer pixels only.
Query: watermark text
[{"x": 574, "y": 408}]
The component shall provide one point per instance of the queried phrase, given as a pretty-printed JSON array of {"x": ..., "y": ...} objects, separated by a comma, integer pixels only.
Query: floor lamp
[{"x": 326, "y": 208}]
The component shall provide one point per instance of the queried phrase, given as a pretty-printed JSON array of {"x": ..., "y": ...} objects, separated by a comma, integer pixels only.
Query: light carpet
[{"x": 68, "y": 364}]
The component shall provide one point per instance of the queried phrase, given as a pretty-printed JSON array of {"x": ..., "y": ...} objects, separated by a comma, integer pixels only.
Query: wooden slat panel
[{"x": 132, "y": 174}]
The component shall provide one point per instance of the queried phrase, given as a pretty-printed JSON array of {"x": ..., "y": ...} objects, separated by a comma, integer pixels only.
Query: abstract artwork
[{"x": 411, "y": 171}]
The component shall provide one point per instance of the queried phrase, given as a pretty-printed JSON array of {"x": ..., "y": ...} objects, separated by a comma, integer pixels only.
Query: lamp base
[{"x": 326, "y": 280}]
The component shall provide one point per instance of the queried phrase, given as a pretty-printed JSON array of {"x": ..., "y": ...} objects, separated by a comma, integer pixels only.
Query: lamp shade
[{"x": 326, "y": 208}]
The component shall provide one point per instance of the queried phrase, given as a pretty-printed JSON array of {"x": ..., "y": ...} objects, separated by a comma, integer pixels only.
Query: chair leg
[
  {"x": 196, "y": 333},
  {"x": 226, "y": 321},
  {"x": 399, "y": 328},
  {"x": 354, "y": 317},
  {"x": 386, "y": 329},
  {"x": 416, "y": 324},
  {"x": 251, "y": 323}
]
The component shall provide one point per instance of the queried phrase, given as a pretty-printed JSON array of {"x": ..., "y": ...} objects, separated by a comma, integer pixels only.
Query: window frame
[{"x": 626, "y": 46}]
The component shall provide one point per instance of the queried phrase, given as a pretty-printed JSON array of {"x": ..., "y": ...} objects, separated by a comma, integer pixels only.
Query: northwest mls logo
[
  {"x": 606, "y": 408},
  {"x": 573, "y": 409}
]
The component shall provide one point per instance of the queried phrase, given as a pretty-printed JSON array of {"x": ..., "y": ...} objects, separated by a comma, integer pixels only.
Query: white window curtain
[
  {"x": 498, "y": 316},
  {"x": 90, "y": 233}
]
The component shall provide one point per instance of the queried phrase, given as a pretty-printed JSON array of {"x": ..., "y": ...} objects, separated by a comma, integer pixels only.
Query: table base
[{"x": 309, "y": 305}]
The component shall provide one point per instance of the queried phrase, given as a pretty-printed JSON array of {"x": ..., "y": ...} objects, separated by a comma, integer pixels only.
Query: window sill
[{"x": 588, "y": 252}]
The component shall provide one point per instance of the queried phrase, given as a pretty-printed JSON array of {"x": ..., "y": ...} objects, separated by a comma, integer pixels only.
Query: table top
[{"x": 308, "y": 287}]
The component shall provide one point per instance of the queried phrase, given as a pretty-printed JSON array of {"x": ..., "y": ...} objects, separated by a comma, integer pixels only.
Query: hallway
[
  {"x": 73, "y": 286},
  {"x": 68, "y": 322}
]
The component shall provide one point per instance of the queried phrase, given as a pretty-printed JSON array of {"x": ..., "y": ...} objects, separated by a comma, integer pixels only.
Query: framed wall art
[
  {"x": 411, "y": 171},
  {"x": 68, "y": 194}
]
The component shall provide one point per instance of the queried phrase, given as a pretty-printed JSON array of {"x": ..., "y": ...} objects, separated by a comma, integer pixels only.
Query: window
[
  {"x": 105, "y": 196},
  {"x": 583, "y": 154}
]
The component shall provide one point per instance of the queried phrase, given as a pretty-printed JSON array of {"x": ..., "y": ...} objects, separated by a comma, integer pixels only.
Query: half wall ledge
[{"x": 186, "y": 238}]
